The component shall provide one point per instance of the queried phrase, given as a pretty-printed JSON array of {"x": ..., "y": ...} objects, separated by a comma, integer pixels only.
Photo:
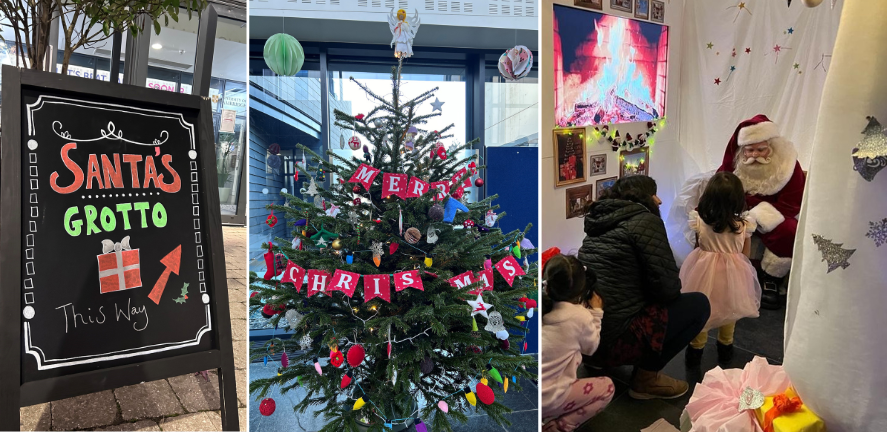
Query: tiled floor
[
  {"x": 762, "y": 336},
  {"x": 524, "y": 416}
]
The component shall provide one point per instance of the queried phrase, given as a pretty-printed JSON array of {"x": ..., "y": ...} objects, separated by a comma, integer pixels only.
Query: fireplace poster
[
  {"x": 115, "y": 261},
  {"x": 607, "y": 69}
]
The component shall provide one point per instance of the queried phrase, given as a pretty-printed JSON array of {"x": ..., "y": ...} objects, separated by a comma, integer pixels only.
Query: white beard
[{"x": 768, "y": 179}]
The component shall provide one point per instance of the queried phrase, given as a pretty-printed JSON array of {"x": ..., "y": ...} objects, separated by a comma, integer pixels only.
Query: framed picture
[
  {"x": 635, "y": 162},
  {"x": 621, "y": 5},
  {"x": 602, "y": 185},
  {"x": 642, "y": 9},
  {"x": 597, "y": 165},
  {"x": 657, "y": 11},
  {"x": 577, "y": 198},
  {"x": 590, "y": 4},
  {"x": 569, "y": 156}
]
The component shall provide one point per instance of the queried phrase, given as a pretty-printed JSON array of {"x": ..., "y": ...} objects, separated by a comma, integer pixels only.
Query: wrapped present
[
  {"x": 786, "y": 413},
  {"x": 119, "y": 267},
  {"x": 726, "y": 398}
]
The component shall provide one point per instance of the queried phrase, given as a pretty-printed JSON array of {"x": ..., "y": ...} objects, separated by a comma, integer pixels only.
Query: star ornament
[
  {"x": 717, "y": 81},
  {"x": 479, "y": 307},
  {"x": 436, "y": 105}
]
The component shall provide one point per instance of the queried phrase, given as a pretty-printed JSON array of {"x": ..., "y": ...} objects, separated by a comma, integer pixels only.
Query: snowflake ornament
[
  {"x": 305, "y": 342},
  {"x": 878, "y": 232}
]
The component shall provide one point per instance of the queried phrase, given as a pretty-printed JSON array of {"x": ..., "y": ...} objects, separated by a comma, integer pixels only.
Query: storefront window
[
  {"x": 347, "y": 97},
  {"x": 284, "y": 111},
  {"x": 511, "y": 110}
]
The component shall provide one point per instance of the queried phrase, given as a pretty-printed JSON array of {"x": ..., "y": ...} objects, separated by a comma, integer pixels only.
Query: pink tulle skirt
[{"x": 729, "y": 281}]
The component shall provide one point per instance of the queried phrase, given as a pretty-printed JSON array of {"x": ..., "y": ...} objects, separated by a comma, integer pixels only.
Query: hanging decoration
[
  {"x": 496, "y": 325},
  {"x": 469, "y": 395},
  {"x": 485, "y": 393},
  {"x": 271, "y": 220},
  {"x": 356, "y": 355},
  {"x": 305, "y": 342},
  {"x": 437, "y": 106},
  {"x": 377, "y": 253},
  {"x": 403, "y": 30},
  {"x": 336, "y": 357},
  {"x": 293, "y": 318},
  {"x": 317, "y": 366},
  {"x": 431, "y": 235},
  {"x": 617, "y": 143},
  {"x": 267, "y": 407},
  {"x": 346, "y": 379},
  {"x": 283, "y": 54},
  {"x": 516, "y": 63},
  {"x": 479, "y": 307},
  {"x": 354, "y": 142},
  {"x": 341, "y": 143},
  {"x": 413, "y": 235},
  {"x": 436, "y": 212}
]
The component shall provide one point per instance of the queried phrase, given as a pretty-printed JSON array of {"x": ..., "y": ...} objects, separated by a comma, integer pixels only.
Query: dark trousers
[{"x": 686, "y": 317}]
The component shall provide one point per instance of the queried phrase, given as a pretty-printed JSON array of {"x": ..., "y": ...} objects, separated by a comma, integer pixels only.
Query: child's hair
[
  {"x": 565, "y": 279},
  {"x": 723, "y": 202}
]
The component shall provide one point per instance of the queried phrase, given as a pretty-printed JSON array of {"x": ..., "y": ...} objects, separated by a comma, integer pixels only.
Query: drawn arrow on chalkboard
[{"x": 172, "y": 262}]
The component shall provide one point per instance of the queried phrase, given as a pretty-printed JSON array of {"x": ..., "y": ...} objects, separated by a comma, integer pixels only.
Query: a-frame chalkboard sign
[{"x": 112, "y": 267}]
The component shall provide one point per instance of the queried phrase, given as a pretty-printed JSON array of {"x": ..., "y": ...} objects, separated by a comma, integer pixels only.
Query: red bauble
[
  {"x": 356, "y": 355},
  {"x": 356, "y": 201},
  {"x": 336, "y": 358},
  {"x": 267, "y": 407},
  {"x": 479, "y": 182},
  {"x": 270, "y": 310},
  {"x": 468, "y": 223},
  {"x": 485, "y": 394},
  {"x": 356, "y": 189}
]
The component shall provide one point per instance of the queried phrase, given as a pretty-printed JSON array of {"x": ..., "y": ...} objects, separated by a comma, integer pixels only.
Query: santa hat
[{"x": 752, "y": 131}]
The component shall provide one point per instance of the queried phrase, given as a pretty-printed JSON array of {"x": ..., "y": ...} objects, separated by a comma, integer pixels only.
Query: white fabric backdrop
[
  {"x": 761, "y": 84},
  {"x": 836, "y": 343}
]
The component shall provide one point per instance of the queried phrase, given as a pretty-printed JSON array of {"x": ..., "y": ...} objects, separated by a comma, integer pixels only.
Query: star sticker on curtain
[
  {"x": 709, "y": 45},
  {"x": 436, "y": 105},
  {"x": 790, "y": 30},
  {"x": 734, "y": 53},
  {"x": 732, "y": 68},
  {"x": 748, "y": 50},
  {"x": 479, "y": 307},
  {"x": 739, "y": 8},
  {"x": 717, "y": 81},
  {"x": 796, "y": 65}
]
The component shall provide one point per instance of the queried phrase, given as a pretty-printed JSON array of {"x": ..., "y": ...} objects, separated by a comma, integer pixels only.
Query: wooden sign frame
[{"x": 13, "y": 392}]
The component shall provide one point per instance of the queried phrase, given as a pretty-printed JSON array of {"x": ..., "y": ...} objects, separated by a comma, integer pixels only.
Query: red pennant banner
[
  {"x": 344, "y": 281},
  {"x": 364, "y": 175},
  {"x": 394, "y": 184},
  {"x": 486, "y": 277},
  {"x": 417, "y": 188},
  {"x": 509, "y": 269},
  {"x": 462, "y": 280},
  {"x": 317, "y": 281},
  {"x": 376, "y": 286},
  {"x": 294, "y": 274},
  {"x": 443, "y": 189},
  {"x": 458, "y": 176},
  {"x": 407, "y": 279}
]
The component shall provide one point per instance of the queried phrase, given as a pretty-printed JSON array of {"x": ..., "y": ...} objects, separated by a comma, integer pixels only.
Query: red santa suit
[{"x": 774, "y": 199}]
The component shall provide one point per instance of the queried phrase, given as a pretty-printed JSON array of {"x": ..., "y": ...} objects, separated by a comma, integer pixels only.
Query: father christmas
[{"x": 773, "y": 181}]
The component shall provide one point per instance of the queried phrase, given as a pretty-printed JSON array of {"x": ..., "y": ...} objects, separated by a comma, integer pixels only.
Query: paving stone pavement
[{"x": 182, "y": 403}]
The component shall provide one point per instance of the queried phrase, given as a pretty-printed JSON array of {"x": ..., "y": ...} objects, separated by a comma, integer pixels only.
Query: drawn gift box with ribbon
[{"x": 119, "y": 267}]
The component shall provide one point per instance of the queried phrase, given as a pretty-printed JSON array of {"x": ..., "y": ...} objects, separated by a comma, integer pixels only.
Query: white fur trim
[
  {"x": 766, "y": 216},
  {"x": 775, "y": 266},
  {"x": 757, "y": 133},
  {"x": 769, "y": 179}
]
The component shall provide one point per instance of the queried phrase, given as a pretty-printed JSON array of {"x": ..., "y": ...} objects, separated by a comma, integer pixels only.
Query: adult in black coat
[{"x": 647, "y": 321}]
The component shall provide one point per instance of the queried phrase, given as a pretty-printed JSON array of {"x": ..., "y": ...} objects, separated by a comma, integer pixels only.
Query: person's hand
[{"x": 596, "y": 302}]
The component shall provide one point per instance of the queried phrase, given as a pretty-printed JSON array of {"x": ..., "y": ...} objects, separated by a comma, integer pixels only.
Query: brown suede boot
[{"x": 655, "y": 385}]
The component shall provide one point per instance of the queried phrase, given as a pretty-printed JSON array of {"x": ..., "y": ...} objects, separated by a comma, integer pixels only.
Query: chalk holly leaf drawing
[{"x": 184, "y": 295}]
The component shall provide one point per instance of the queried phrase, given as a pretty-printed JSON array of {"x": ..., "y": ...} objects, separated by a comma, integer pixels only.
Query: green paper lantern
[{"x": 284, "y": 55}]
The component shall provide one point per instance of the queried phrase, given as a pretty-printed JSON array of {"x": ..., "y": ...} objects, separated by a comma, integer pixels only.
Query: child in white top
[{"x": 571, "y": 327}]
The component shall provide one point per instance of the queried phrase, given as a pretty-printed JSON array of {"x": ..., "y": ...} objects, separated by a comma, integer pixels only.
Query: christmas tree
[{"x": 417, "y": 349}]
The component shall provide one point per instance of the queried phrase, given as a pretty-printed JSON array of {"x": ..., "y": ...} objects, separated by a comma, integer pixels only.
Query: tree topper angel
[{"x": 403, "y": 29}]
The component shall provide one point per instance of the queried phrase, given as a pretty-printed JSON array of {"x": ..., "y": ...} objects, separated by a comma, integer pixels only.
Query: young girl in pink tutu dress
[{"x": 719, "y": 266}]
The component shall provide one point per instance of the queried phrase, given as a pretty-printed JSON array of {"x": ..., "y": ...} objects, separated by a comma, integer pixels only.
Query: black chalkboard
[{"x": 113, "y": 261}]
